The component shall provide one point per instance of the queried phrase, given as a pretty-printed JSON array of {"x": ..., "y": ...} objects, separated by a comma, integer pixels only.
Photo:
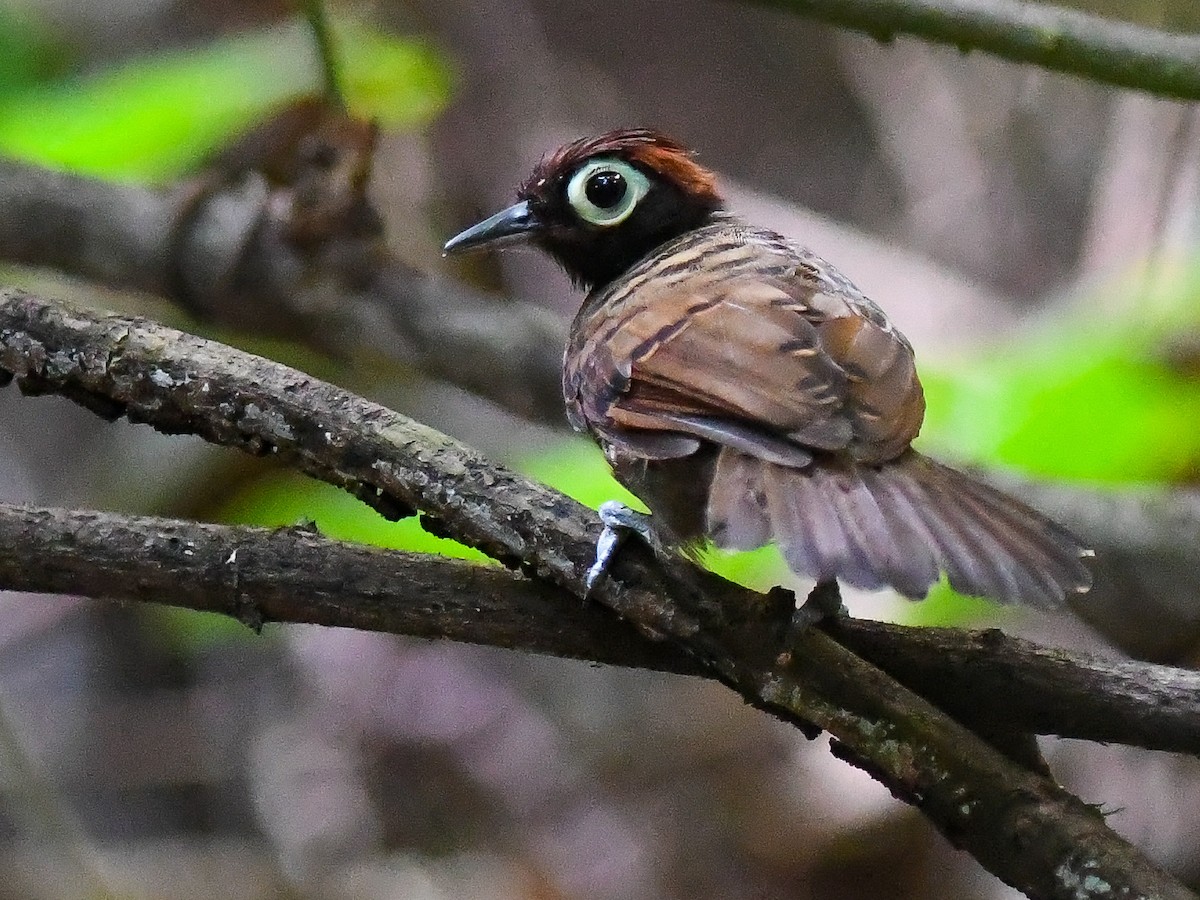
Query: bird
[{"x": 748, "y": 393}]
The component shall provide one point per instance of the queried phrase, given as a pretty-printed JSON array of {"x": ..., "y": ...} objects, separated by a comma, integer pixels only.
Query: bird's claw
[
  {"x": 824, "y": 602},
  {"x": 619, "y": 521}
]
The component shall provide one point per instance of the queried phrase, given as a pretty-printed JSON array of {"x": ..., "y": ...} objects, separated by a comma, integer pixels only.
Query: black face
[
  {"x": 600, "y": 204},
  {"x": 604, "y": 214}
]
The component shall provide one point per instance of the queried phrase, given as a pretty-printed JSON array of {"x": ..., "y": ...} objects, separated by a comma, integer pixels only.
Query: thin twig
[
  {"x": 47, "y": 812},
  {"x": 317, "y": 16},
  {"x": 1062, "y": 40}
]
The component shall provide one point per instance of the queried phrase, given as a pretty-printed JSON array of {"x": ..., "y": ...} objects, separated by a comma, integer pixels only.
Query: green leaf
[
  {"x": 1093, "y": 397},
  {"x": 189, "y": 631},
  {"x": 291, "y": 499},
  {"x": 157, "y": 117}
]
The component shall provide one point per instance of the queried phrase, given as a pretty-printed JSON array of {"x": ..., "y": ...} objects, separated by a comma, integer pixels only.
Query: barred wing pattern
[{"x": 733, "y": 347}]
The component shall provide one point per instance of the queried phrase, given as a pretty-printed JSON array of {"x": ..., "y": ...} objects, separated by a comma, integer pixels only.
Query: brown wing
[{"x": 776, "y": 363}]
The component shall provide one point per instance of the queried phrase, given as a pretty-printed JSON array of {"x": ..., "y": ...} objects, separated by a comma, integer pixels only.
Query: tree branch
[
  {"x": 1018, "y": 824},
  {"x": 260, "y": 575},
  {"x": 214, "y": 248},
  {"x": 1035, "y": 689},
  {"x": 1054, "y": 38},
  {"x": 295, "y": 575}
]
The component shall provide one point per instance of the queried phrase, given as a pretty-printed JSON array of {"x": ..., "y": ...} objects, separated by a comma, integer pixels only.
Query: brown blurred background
[{"x": 966, "y": 194}]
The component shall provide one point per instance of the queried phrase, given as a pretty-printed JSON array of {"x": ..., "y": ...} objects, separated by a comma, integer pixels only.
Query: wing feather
[{"x": 768, "y": 365}]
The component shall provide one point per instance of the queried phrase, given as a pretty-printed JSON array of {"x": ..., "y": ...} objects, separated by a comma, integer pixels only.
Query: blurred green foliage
[
  {"x": 288, "y": 499},
  {"x": 1108, "y": 392},
  {"x": 158, "y": 116}
]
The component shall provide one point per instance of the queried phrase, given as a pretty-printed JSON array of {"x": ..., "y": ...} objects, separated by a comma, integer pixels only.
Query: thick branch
[
  {"x": 296, "y": 575},
  {"x": 1062, "y": 40},
  {"x": 991, "y": 678},
  {"x": 260, "y": 575},
  {"x": 1019, "y": 825}
]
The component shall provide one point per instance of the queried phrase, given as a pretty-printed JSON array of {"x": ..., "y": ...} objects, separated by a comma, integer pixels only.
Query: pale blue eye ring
[{"x": 602, "y": 178}]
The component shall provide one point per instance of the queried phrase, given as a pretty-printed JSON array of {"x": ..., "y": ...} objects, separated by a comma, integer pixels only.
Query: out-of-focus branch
[
  {"x": 113, "y": 234},
  {"x": 1020, "y": 825},
  {"x": 1062, "y": 40},
  {"x": 295, "y": 575},
  {"x": 317, "y": 17},
  {"x": 219, "y": 249}
]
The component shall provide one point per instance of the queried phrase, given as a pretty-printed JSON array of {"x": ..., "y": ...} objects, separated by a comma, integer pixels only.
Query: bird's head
[{"x": 600, "y": 204}]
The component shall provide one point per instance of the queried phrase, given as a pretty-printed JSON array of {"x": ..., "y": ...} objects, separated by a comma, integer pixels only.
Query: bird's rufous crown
[{"x": 652, "y": 150}]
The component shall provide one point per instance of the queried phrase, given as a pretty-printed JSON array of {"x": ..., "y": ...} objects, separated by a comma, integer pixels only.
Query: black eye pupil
[{"x": 605, "y": 189}]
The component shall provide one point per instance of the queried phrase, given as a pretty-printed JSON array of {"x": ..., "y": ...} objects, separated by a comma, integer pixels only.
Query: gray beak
[{"x": 507, "y": 226}]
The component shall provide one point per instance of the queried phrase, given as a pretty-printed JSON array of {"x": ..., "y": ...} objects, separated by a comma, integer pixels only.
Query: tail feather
[
  {"x": 1044, "y": 564},
  {"x": 960, "y": 552},
  {"x": 891, "y": 550},
  {"x": 737, "y": 507},
  {"x": 1059, "y": 548},
  {"x": 857, "y": 549},
  {"x": 982, "y": 537},
  {"x": 897, "y": 524},
  {"x": 821, "y": 535},
  {"x": 915, "y": 561},
  {"x": 1052, "y": 554},
  {"x": 800, "y": 533}
]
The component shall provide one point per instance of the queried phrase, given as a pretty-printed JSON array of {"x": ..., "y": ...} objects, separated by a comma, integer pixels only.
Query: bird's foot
[
  {"x": 824, "y": 602},
  {"x": 619, "y": 522}
]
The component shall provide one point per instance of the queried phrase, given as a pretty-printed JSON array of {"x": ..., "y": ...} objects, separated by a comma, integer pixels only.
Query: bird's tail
[{"x": 897, "y": 524}]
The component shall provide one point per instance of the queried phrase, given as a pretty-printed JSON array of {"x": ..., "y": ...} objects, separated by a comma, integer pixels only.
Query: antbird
[{"x": 748, "y": 392}]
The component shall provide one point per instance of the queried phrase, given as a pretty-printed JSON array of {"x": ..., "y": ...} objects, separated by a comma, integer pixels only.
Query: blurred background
[{"x": 1036, "y": 236}]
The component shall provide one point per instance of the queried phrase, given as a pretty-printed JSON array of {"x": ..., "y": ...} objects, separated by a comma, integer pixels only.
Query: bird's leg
[
  {"x": 619, "y": 521},
  {"x": 824, "y": 602}
]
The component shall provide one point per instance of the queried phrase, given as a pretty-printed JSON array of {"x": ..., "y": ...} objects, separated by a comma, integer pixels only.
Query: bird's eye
[{"x": 605, "y": 191}]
